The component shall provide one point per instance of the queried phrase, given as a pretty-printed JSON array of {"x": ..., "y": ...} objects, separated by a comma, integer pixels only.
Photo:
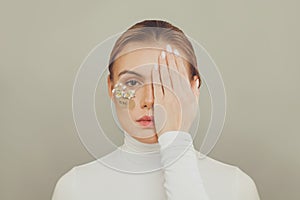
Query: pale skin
[{"x": 163, "y": 88}]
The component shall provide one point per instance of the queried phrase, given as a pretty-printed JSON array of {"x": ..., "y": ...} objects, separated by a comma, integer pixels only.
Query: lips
[{"x": 145, "y": 121}]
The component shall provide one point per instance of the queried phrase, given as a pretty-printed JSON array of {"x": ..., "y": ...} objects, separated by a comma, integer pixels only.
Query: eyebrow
[{"x": 129, "y": 72}]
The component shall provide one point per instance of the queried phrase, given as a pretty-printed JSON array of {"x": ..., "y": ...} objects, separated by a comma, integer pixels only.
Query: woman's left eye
[{"x": 132, "y": 83}]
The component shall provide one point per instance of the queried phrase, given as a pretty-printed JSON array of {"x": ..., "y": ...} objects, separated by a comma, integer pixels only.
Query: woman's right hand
[{"x": 175, "y": 103}]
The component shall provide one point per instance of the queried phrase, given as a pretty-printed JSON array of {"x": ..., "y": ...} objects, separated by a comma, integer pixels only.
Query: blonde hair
[{"x": 160, "y": 31}]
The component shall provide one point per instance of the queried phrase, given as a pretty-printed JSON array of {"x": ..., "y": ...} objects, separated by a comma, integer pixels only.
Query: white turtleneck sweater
[{"x": 168, "y": 170}]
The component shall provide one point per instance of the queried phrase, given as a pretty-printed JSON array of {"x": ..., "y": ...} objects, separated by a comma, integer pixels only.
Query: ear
[
  {"x": 195, "y": 86},
  {"x": 109, "y": 87}
]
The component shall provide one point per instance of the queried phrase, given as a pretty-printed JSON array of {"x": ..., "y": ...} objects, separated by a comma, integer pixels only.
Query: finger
[
  {"x": 158, "y": 94},
  {"x": 164, "y": 72},
  {"x": 173, "y": 68},
  {"x": 156, "y": 83},
  {"x": 173, "y": 71},
  {"x": 184, "y": 77}
]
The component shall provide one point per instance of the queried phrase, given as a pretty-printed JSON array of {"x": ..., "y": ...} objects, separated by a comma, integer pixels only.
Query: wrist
[{"x": 168, "y": 137}]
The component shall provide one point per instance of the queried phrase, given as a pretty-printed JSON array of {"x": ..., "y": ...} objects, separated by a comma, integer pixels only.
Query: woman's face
[{"x": 133, "y": 70}]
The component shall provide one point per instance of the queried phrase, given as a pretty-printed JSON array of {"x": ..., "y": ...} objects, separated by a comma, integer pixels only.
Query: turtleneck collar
[{"x": 133, "y": 145}]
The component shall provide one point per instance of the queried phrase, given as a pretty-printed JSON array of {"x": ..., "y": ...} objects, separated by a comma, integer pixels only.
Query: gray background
[{"x": 254, "y": 43}]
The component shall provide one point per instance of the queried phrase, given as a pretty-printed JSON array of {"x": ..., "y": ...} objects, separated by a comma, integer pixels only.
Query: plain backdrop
[{"x": 255, "y": 45}]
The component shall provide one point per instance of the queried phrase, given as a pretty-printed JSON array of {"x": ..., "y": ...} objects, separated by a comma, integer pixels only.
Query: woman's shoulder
[
  {"x": 219, "y": 167},
  {"x": 90, "y": 167},
  {"x": 72, "y": 172},
  {"x": 216, "y": 166},
  {"x": 211, "y": 165},
  {"x": 220, "y": 174}
]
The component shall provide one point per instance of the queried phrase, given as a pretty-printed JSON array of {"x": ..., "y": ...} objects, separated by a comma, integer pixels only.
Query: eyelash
[{"x": 127, "y": 83}]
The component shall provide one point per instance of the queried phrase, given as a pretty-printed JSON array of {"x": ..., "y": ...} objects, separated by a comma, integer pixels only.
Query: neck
[
  {"x": 140, "y": 145},
  {"x": 148, "y": 140}
]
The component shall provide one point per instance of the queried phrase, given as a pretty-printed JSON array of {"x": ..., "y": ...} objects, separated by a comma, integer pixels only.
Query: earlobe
[
  {"x": 195, "y": 85},
  {"x": 195, "y": 82}
]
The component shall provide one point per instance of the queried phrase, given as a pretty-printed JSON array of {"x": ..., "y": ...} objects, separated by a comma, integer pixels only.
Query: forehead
[
  {"x": 141, "y": 57},
  {"x": 137, "y": 60}
]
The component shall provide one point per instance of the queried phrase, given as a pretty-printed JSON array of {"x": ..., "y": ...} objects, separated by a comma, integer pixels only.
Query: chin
[
  {"x": 142, "y": 133},
  {"x": 148, "y": 140}
]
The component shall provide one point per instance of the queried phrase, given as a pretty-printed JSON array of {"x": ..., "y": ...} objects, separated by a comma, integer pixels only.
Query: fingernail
[
  {"x": 163, "y": 54},
  {"x": 169, "y": 48},
  {"x": 176, "y": 52},
  {"x": 156, "y": 66}
]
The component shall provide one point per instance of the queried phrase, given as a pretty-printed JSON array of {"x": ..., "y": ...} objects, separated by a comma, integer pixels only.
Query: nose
[{"x": 147, "y": 99}]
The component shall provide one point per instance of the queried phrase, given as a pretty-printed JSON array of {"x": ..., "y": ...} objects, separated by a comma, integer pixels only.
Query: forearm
[{"x": 182, "y": 176}]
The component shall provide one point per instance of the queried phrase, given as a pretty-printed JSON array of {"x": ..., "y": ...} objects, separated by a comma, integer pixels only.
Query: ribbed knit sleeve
[{"x": 182, "y": 177}]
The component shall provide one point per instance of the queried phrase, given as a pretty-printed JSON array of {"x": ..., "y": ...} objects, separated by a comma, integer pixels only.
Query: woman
[{"x": 154, "y": 84}]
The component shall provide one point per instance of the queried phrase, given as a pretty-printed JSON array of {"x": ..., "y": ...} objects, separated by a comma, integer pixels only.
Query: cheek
[
  {"x": 125, "y": 105},
  {"x": 126, "y": 109},
  {"x": 132, "y": 108},
  {"x": 132, "y": 104},
  {"x": 122, "y": 103}
]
